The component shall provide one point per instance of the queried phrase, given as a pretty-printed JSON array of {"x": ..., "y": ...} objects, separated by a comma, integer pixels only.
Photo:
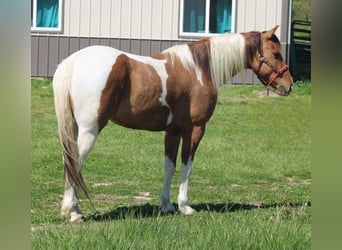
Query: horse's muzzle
[{"x": 282, "y": 90}]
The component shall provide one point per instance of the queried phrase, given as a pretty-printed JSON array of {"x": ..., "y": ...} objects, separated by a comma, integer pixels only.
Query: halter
[{"x": 278, "y": 73}]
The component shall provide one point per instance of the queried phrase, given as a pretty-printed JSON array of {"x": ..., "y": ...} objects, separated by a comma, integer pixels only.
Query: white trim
[
  {"x": 207, "y": 17},
  {"x": 207, "y": 14},
  {"x": 47, "y": 29}
]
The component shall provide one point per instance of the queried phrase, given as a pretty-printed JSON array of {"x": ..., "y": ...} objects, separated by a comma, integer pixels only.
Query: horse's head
[{"x": 269, "y": 65}]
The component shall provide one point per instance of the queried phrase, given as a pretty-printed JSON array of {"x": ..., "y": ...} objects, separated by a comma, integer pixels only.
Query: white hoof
[
  {"x": 76, "y": 217},
  {"x": 74, "y": 213},
  {"x": 184, "y": 209}
]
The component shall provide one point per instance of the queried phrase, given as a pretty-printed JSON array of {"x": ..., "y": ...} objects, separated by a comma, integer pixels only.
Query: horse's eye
[{"x": 278, "y": 56}]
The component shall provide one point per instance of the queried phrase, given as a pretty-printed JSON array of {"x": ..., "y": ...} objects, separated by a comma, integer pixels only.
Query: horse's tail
[{"x": 67, "y": 126}]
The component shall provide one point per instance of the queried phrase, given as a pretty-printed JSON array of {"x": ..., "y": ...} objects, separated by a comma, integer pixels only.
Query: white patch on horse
[
  {"x": 183, "y": 188},
  {"x": 92, "y": 66},
  {"x": 165, "y": 202},
  {"x": 159, "y": 66}
]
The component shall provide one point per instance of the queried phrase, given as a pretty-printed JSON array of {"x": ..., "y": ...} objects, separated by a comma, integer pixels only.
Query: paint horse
[{"x": 174, "y": 91}]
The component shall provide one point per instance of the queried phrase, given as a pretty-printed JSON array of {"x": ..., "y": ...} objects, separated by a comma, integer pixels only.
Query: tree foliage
[{"x": 301, "y": 10}]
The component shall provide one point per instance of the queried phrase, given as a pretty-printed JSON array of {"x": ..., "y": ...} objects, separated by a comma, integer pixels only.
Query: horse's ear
[{"x": 269, "y": 33}]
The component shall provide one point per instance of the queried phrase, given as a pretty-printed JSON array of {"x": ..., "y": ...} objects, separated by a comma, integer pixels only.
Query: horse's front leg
[
  {"x": 172, "y": 140},
  {"x": 191, "y": 141}
]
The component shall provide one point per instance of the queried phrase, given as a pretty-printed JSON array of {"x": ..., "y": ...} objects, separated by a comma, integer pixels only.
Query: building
[{"x": 144, "y": 27}]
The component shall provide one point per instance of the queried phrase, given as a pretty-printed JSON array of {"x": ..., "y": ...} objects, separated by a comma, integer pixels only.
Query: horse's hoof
[
  {"x": 168, "y": 209},
  {"x": 187, "y": 210},
  {"x": 76, "y": 217}
]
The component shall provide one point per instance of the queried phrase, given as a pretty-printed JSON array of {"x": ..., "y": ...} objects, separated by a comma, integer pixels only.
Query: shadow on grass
[{"x": 150, "y": 211}]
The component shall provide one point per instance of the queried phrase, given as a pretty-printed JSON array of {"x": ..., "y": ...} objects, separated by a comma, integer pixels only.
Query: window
[
  {"x": 46, "y": 15},
  {"x": 205, "y": 17}
]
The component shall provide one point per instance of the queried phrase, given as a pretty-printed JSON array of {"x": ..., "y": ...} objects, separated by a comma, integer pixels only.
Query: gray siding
[
  {"x": 48, "y": 51},
  {"x": 143, "y": 27}
]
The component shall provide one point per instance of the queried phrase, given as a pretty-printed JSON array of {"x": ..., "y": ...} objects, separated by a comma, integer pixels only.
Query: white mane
[
  {"x": 227, "y": 57},
  {"x": 183, "y": 53}
]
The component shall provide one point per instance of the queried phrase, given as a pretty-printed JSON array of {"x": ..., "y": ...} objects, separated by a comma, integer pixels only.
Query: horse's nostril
[{"x": 282, "y": 90}]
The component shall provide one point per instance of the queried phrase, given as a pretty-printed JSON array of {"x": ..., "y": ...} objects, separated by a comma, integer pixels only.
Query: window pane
[
  {"x": 47, "y": 13},
  {"x": 194, "y": 16},
  {"x": 220, "y": 16}
]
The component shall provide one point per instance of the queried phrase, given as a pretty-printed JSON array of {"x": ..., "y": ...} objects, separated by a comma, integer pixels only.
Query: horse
[{"x": 174, "y": 91}]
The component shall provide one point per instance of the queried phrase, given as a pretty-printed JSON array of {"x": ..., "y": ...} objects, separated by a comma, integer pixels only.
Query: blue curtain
[
  {"x": 47, "y": 13},
  {"x": 220, "y": 16},
  {"x": 194, "y": 16},
  {"x": 220, "y": 19}
]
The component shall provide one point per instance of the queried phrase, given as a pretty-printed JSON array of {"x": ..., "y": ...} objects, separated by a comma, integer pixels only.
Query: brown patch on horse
[
  {"x": 201, "y": 55},
  {"x": 140, "y": 107},
  {"x": 110, "y": 96},
  {"x": 191, "y": 103},
  {"x": 131, "y": 96}
]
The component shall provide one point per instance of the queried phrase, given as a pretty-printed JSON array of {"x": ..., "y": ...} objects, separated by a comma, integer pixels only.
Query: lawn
[{"x": 250, "y": 182}]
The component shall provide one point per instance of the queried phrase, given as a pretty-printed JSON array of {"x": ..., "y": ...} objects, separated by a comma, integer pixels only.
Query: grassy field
[{"x": 250, "y": 182}]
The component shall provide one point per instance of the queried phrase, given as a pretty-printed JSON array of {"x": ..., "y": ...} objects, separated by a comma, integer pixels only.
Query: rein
[{"x": 278, "y": 73}]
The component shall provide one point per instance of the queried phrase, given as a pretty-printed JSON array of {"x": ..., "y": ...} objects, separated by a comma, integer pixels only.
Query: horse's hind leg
[{"x": 85, "y": 141}]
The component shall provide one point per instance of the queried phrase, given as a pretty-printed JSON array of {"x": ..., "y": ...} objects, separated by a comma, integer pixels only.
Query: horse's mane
[
  {"x": 228, "y": 57},
  {"x": 225, "y": 57}
]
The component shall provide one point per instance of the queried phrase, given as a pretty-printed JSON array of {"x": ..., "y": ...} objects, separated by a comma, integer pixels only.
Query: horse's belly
[{"x": 153, "y": 119}]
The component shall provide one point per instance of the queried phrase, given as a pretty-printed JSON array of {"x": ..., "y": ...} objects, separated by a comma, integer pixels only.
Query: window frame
[
  {"x": 34, "y": 27},
  {"x": 206, "y": 33}
]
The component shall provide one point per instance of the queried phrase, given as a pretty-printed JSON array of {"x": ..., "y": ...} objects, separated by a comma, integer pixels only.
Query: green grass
[{"x": 250, "y": 182}]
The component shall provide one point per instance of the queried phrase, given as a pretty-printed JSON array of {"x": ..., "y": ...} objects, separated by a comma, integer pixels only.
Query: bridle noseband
[{"x": 278, "y": 73}]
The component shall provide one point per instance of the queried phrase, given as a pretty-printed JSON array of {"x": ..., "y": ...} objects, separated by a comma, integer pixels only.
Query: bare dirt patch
[
  {"x": 142, "y": 197},
  {"x": 265, "y": 93}
]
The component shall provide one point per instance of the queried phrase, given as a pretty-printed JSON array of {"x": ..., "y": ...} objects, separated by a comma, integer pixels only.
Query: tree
[{"x": 301, "y": 10}]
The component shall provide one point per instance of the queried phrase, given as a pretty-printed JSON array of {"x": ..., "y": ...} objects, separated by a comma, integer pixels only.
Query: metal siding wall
[
  {"x": 136, "y": 19},
  {"x": 84, "y": 23},
  {"x": 53, "y": 56},
  {"x": 43, "y": 55},
  {"x": 260, "y": 15},
  {"x": 143, "y": 27},
  {"x": 146, "y": 19},
  {"x": 125, "y": 20},
  {"x": 63, "y": 48},
  {"x": 34, "y": 56},
  {"x": 166, "y": 30},
  {"x": 115, "y": 25},
  {"x": 74, "y": 17},
  {"x": 95, "y": 18},
  {"x": 145, "y": 48},
  {"x": 158, "y": 19},
  {"x": 105, "y": 24}
]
